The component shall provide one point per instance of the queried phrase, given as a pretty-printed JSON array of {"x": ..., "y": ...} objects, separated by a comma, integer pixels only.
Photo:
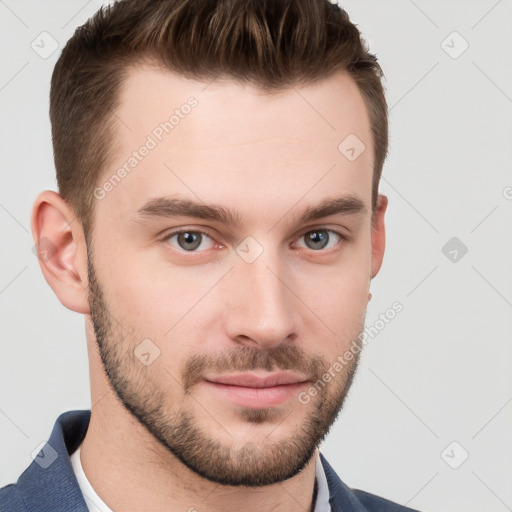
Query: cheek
[
  {"x": 340, "y": 294},
  {"x": 344, "y": 304},
  {"x": 349, "y": 272},
  {"x": 158, "y": 302},
  {"x": 131, "y": 293}
]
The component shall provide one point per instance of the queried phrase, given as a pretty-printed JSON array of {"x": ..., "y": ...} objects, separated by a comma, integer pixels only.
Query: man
[{"x": 218, "y": 223}]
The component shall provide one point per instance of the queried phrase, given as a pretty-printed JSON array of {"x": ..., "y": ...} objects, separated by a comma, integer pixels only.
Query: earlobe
[
  {"x": 61, "y": 250},
  {"x": 378, "y": 234}
]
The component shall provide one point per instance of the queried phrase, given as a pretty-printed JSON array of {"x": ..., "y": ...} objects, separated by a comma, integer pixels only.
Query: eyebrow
[{"x": 167, "y": 207}]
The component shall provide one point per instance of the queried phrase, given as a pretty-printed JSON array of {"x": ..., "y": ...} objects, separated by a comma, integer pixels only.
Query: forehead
[
  {"x": 150, "y": 95},
  {"x": 227, "y": 141}
]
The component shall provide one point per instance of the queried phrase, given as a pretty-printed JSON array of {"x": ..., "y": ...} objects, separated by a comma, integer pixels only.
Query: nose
[{"x": 261, "y": 307}]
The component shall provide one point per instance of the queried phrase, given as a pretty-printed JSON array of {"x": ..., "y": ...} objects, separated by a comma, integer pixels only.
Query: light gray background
[{"x": 440, "y": 371}]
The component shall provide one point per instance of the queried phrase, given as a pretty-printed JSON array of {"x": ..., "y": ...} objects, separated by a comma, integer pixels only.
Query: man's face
[{"x": 263, "y": 291}]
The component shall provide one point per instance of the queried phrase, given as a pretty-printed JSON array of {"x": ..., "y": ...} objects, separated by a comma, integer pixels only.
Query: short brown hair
[{"x": 266, "y": 43}]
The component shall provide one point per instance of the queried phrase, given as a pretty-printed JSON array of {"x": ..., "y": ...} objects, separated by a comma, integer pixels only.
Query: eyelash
[{"x": 168, "y": 236}]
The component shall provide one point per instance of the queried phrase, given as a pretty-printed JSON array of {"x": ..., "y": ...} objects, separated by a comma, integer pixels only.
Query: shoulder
[
  {"x": 342, "y": 498},
  {"x": 10, "y": 499},
  {"x": 375, "y": 503},
  {"x": 49, "y": 482}
]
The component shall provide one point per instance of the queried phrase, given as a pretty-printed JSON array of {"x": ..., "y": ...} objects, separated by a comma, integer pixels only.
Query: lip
[
  {"x": 254, "y": 391},
  {"x": 252, "y": 380}
]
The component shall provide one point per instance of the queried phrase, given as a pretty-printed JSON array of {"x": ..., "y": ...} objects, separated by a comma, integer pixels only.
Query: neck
[{"x": 130, "y": 470}]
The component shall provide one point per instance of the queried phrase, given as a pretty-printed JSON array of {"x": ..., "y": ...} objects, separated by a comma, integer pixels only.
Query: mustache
[{"x": 242, "y": 359}]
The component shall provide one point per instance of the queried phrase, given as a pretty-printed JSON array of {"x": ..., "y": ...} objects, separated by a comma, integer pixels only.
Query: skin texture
[{"x": 160, "y": 438}]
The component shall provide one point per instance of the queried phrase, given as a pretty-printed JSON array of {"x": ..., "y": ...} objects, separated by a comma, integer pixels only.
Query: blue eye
[
  {"x": 189, "y": 240},
  {"x": 318, "y": 239}
]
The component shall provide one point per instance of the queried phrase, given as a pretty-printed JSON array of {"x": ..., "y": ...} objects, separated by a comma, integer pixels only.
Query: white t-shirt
[{"x": 96, "y": 504}]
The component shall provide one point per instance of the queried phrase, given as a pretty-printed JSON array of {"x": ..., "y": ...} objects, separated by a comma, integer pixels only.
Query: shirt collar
[
  {"x": 94, "y": 502},
  {"x": 322, "y": 496}
]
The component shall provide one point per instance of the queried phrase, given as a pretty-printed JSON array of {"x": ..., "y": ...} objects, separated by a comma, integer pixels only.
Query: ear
[
  {"x": 378, "y": 234},
  {"x": 61, "y": 250}
]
